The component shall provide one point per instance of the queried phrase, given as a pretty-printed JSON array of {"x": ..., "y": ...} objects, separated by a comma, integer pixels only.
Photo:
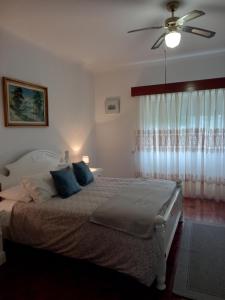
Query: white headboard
[{"x": 33, "y": 162}]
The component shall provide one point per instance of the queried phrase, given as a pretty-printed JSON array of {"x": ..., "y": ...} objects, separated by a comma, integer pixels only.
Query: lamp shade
[
  {"x": 86, "y": 159},
  {"x": 173, "y": 39}
]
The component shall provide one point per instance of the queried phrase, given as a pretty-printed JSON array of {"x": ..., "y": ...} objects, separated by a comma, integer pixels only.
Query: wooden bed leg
[{"x": 161, "y": 275}]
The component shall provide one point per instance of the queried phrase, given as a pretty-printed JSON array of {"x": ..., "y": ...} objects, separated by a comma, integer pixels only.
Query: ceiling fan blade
[
  {"x": 199, "y": 31},
  {"x": 146, "y": 28},
  {"x": 159, "y": 42},
  {"x": 190, "y": 16}
]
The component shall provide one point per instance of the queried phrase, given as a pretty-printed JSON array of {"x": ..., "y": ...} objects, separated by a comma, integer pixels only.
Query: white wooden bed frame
[
  {"x": 166, "y": 225},
  {"x": 165, "y": 231}
]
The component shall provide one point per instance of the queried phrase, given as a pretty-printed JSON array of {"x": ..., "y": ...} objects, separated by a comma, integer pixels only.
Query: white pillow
[
  {"x": 39, "y": 186},
  {"x": 16, "y": 193},
  {"x": 8, "y": 181}
]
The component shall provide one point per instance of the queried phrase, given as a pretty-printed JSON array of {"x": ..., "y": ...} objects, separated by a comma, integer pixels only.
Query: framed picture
[
  {"x": 25, "y": 104},
  {"x": 112, "y": 105}
]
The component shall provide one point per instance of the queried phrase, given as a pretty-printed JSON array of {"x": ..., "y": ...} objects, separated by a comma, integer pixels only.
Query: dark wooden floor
[{"x": 38, "y": 275}]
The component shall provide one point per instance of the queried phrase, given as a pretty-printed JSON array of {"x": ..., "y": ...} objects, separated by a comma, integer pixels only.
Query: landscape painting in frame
[
  {"x": 25, "y": 104},
  {"x": 112, "y": 105}
]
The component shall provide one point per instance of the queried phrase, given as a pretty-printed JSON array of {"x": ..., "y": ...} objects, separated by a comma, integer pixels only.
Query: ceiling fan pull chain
[{"x": 165, "y": 66}]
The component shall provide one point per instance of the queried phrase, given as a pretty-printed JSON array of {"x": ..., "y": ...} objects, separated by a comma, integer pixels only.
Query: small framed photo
[
  {"x": 25, "y": 104},
  {"x": 112, "y": 105}
]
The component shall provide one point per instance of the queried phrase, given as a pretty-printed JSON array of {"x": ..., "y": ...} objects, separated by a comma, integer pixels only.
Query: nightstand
[
  {"x": 97, "y": 171},
  {"x": 2, "y": 253}
]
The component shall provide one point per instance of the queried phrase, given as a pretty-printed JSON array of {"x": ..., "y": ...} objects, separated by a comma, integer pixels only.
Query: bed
[{"x": 65, "y": 226}]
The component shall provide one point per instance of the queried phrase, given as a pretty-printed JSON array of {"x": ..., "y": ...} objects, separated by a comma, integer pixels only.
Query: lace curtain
[{"x": 182, "y": 136}]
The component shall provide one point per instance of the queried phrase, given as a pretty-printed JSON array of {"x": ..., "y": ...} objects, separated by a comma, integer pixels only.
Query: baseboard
[{"x": 2, "y": 258}]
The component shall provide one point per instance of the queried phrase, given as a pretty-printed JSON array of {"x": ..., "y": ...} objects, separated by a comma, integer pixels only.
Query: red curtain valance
[{"x": 206, "y": 84}]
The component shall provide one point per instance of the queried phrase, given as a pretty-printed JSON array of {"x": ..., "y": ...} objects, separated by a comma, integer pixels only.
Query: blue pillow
[
  {"x": 65, "y": 182},
  {"x": 82, "y": 172}
]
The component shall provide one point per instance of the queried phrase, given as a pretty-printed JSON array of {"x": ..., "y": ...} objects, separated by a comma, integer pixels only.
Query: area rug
[{"x": 200, "y": 273}]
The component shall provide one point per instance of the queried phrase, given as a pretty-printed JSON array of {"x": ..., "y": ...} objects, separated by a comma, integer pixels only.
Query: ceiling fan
[{"x": 174, "y": 25}]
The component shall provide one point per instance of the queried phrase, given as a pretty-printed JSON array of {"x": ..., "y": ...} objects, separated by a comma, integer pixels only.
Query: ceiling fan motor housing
[{"x": 171, "y": 23}]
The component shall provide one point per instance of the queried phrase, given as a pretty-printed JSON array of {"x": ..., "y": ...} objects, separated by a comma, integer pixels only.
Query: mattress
[{"x": 62, "y": 226}]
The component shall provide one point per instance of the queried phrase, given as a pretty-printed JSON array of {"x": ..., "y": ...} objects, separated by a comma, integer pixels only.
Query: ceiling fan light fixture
[{"x": 172, "y": 39}]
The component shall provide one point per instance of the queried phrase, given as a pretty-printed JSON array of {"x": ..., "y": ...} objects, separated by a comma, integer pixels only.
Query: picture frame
[
  {"x": 25, "y": 104},
  {"x": 112, "y": 105}
]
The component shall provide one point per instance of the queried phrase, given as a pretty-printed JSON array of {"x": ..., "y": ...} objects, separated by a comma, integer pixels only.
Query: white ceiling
[{"x": 94, "y": 31}]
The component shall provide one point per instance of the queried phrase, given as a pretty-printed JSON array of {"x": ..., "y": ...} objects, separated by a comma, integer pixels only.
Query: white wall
[
  {"x": 71, "y": 101},
  {"x": 115, "y": 133}
]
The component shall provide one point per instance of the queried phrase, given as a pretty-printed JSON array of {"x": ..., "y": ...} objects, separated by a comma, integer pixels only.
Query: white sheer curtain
[{"x": 182, "y": 136}]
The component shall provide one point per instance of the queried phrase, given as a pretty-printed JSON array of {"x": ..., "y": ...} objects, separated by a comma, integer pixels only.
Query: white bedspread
[
  {"x": 133, "y": 210},
  {"x": 62, "y": 226}
]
